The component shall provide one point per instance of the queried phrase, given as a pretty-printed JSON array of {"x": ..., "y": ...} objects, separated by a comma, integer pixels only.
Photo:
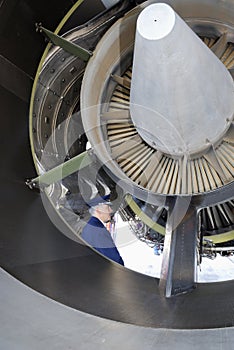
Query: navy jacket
[{"x": 96, "y": 234}]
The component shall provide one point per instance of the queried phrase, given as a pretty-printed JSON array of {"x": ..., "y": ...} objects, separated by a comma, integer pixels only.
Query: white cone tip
[{"x": 156, "y": 21}]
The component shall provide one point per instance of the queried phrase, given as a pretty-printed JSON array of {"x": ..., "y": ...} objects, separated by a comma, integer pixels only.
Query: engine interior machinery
[{"x": 169, "y": 173}]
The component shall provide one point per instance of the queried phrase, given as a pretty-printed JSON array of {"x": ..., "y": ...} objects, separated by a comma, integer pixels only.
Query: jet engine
[{"x": 138, "y": 103}]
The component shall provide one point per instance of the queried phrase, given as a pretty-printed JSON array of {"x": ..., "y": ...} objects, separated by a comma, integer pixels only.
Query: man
[{"x": 95, "y": 232}]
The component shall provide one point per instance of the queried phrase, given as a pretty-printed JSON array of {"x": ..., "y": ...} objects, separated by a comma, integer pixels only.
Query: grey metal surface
[
  {"x": 30, "y": 320},
  {"x": 179, "y": 254}
]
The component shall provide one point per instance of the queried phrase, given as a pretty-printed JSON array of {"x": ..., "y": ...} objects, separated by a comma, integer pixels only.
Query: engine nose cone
[{"x": 182, "y": 96}]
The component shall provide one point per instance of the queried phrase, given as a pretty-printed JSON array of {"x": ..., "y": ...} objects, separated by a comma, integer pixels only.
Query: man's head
[
  {"x": 103, "y": 212},
  {"x": 101, "y": 208}
]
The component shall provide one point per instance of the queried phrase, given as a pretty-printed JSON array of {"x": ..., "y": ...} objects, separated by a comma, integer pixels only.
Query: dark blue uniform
[{"x": 96, "y": 234}]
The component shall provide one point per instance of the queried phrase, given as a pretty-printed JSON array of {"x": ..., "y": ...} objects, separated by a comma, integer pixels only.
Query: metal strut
[
  {"x": 65, "y": 44},
  {"x": 61, "y": 171}
]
